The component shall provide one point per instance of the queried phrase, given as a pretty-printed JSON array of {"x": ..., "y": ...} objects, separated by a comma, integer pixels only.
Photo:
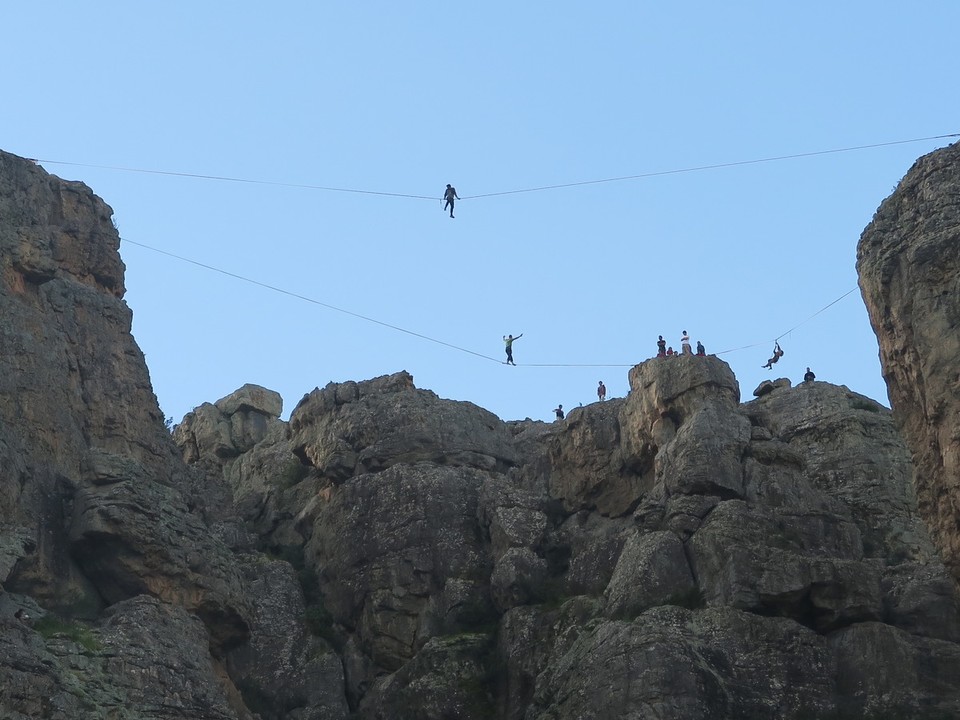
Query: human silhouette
[
  {"x": 777, "y": 354},
  {"x": 508, "y": 340},
  {"x": 449, "y": 195}
]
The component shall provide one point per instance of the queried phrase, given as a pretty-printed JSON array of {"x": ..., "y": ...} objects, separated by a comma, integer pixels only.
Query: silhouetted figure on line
[
  {"x": 449, "y": 195},
  {"x": 777, "y": 354},
  {"x": 508, "y": 340}
]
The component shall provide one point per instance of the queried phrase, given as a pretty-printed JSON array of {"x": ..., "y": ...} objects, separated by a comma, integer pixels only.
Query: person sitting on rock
[
  {"x": 701, "y": 350},
  {"x": 808, "y": 376},
  {"x": 670, "y": 352},
  {"x": 777, "y": 354}
]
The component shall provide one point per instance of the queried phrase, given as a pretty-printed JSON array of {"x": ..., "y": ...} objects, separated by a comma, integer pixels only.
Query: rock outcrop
[
  {"x": 389, "y": 554},
  {"x": 908, "y": 261}
]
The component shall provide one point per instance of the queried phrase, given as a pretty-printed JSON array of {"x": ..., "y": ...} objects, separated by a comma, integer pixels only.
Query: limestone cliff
[
  {"x": 387, "y": 554},
  {"x": 908, "y": 260}
]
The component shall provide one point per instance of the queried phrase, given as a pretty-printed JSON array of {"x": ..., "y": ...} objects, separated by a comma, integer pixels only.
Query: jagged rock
[
  {"x": 673, "y": 664},
  {"x": 768, "y": 556},
  {"x": 76, "y": 405},
  {"x": 682, "y": 416},
  {"x": 586, "y": 469},
  {"x": 908, "y": 261},
  {"x": 144, "y": 659},
  {"x": 348, "y": 429},
  {"x": 652, "y": 570},
  {"x": 284, "y": 669},
  {"x": 518, "y": 577},
  {"x": 449, "y": 678},
  {"x": 386, "y": 543},
  {"x": 768, "y": 386},
  {"x": 850, "y": 450},
  {"x": 882, "y": 671}
]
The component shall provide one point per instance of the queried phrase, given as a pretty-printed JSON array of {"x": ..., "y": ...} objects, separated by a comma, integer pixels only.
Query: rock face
[
  {"x": 908, "y": 260},
  {"x": 388, "y": 554}
]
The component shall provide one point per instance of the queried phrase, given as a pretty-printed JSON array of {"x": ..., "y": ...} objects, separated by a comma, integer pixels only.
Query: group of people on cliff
[{"x": 685, "y": 347}]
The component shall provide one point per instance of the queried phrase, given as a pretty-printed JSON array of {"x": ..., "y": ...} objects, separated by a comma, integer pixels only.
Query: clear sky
[{"x": 402, "y": 98}]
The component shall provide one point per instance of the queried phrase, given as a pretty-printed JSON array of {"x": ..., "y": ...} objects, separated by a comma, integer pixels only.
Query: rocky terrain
[
  {"x": 385, "y": 554},
  {"x": 908, "y": 260}
]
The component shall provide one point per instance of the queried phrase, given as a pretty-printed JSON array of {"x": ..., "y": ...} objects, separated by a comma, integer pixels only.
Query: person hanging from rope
[
  {"x": 777, "y": 354},
  {"x": 449, "y": 195},
  {"x": 508, "y": 341}
]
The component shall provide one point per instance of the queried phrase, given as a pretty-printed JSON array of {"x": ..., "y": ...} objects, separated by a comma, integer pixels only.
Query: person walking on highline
[
  {"x": 449, "y": 195},
  {"x": 508, "y": 341}
]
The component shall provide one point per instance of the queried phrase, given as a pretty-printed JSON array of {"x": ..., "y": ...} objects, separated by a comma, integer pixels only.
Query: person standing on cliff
[
  {"x": 559, "y": 411},
  {"x": 449, "y": 195},
  {"x": 508, "y": 341},
  {"x": 602, "y": 391},
  {"x": 661, "y": 346},
  {"x": 808, "y": 376},
  {"x": 685, "y": 344}
]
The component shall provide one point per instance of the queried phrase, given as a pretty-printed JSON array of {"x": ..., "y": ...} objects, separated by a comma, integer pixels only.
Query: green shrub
[{"x": 51, "y": 626}]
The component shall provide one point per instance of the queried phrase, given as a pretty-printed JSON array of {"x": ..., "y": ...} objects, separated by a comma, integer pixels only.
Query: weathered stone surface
[
  {"x": 586, "y": 468},
  {"x": 683, "y": 416},
  {"x": 449, "y": 678},
  {"x": 849, "y": 449},
  {"x": 670, "y": 663},
  {"x": 386, "y": 543},
  {"x": 144, "y": 659},
  {"x": 348, "y": 429},
  {"x": 652, "y": 570},
  {"x": 882, "y": 671},
  {"x": 283, "y": 670},
  {"x": 671, "y": 554},
  {"x": 76, "y": 405},
  {"x": 908, "y": 261}
]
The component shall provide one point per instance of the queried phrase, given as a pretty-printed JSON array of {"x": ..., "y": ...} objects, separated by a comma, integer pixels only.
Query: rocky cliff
[
  {"x": 908, "y": 260},
  {"x": 386, "y": 554}
]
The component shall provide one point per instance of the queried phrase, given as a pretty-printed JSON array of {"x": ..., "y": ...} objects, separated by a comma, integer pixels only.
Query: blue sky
[{"x": 405, "y": 97}]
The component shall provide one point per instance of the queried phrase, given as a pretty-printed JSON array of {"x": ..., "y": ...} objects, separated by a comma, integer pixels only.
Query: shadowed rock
[{"x": 908, "y": 262}]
